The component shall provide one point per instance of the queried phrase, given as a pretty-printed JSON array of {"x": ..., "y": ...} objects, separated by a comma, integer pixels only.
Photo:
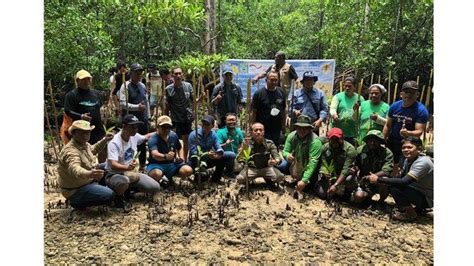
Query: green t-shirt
[
  {"x": 238, "y": 137},
  {"x": 366, "y": 109},
  {"x": 345, "y": 111}
]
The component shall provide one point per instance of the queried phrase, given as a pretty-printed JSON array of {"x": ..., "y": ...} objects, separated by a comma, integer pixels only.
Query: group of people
[{"x": 332, "y": 166}]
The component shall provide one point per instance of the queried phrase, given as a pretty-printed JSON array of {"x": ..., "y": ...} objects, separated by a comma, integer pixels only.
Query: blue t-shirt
[
  {"x": 417, "y": 113},
  {"x": 157, "y": 143}
]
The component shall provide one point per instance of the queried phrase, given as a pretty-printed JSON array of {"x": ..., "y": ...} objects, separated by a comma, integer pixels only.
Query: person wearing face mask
[
  {"x": 269, "y": 109},
  {"x": 372, "y": 112},
  {"x": 301, "y": 153},
  {"x": 342, "y": 155},
  {"x": 406, "y": 117},
  {"x": 372, "y": 158},
  {"x": 415, "y": 188},
  {"x": 342, "y": 110}
]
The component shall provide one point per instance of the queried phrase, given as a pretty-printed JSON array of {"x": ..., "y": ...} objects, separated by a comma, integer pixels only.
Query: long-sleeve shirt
[
  {"x": 342, "y": 158},
  {"x": 311, "y": 102},
  {"x": 206, "y": 143},
  {"x": 75, "y": 162},
  {"x": 374, "y": 161},
  {"x": 79, "y": 101},
  {"x": 295, "y": 145},
  {"x": 262, "y": 152}
]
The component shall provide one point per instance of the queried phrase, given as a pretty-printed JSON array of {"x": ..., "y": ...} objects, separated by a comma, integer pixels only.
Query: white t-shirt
[
  {"x": 155, "y": 83},
  {"x": 122, "y": 151}
]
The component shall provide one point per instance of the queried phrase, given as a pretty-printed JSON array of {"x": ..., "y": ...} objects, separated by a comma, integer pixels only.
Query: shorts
[
  {"x": 182, "y": 128},
  {"x": 168, "y": 169}
]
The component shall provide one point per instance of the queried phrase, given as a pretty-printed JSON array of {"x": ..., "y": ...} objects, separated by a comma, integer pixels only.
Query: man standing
[
  {"x": 121, "y": 74},
  {"x": 285, "y": 72},
  {"x": 207, "y": 141},
  {"x": 154, "y": 88},
  {"x": 230, "y": 138},
  {"x": 179, "y": 106},
  {"x": 310, "y": 101},
  {"x": 121, "y": 163},
  {"x": 264, "y": 155},
  {"x": 406, "y": 117},
  {"x": 84, "y": 103},
  {"x": 77, "y": 168},
  {"x": 341, "y": 154},
  {"x": 226, "y": 97},
  {"x": 134, "y": 100},
  {"x": 166, "y": 154},
  {"x": 269, "y": 109},
  {"x": 301, "y": 153}
]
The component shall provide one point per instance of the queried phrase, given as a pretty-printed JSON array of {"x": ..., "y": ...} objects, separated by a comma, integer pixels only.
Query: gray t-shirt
[
  {"x": 421, "y": 170},
  {"x": 179, "y": 99},
  {"x": 122, "y": 151}
]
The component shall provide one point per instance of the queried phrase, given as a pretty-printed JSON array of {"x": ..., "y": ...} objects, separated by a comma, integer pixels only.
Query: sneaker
[{"x": 119, "y": 202}]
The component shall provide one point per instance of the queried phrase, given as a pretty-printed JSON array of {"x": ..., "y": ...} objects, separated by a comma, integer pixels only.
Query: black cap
[
  {"x": 151, "y": 66},
  {"x": 131, "y": 120},
  {"x": 410, "y": 85},
  {"x": 136, "y": 67},
  {"x": 309, "y": 75},
  {"x": 208, "y": 119}
]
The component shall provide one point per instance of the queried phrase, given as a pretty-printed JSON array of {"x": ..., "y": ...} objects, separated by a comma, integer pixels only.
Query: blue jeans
[
  {"x": 284, "y": 167},
  {"x": 91, "y": 194}
]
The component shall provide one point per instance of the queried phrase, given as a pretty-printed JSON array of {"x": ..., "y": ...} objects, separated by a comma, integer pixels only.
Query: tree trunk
[
  {"x": 321, "y": 20},
  {"x": 209, "y": 41},
  {"x": 146, "y": 40},
  {"x": 399, "y": 15},
  {"x": 366, "y": 23}
]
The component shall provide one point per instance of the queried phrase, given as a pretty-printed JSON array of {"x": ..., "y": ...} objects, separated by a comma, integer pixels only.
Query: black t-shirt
[
  {"x": 263, "y": 101},
  {"x": 118, "y": 81},
  {"x": 78, "y": 102}
]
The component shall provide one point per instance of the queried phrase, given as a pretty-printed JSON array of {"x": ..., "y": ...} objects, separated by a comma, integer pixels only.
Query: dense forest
[{"x": 367, "y": 37}]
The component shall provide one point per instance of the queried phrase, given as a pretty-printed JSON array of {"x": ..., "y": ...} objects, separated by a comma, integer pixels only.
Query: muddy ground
[{"x": 185, "y": 225}]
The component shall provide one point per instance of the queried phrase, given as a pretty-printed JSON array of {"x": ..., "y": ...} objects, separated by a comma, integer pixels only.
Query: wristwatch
[{"x": 164, "y": 156}]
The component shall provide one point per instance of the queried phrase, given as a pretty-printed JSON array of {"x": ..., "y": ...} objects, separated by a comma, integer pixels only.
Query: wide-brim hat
[
  {"x": 304, "y": 121},
  {"x": 80, "y": 124}
]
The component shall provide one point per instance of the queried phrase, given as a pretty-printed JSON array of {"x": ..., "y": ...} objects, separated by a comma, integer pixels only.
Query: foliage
[
  {"x": 328, "y": 169},
  {"x": 198, "y": 64}
]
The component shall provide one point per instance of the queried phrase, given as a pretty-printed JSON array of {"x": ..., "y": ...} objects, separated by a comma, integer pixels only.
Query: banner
[{"x": 244, "y": 69}]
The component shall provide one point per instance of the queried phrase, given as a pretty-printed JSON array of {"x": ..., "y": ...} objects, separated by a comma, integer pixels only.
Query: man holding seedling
[
  {"x": 210, "y": 149},
  {"x": 285, "y": 72},
  {"x": 406, "y": 117},
  {"x": 230, "y": 137},
  {"x": 264, "y": 157},
  {"x": 78, "y": 170},
  {"x": 310, "y": 101},
  {"x": 166, "y": 154},
  {"x": 134, "y": 100},
  {"x": 341, "y": 155},
  {"x": 226, "y": 97},
  {"x": 301, "y": 153},
  {"x": 372, "y": 158},
  {"x": 269, "y": 109},
  {"x": 84, "y": 103},
  {"x": 121, "y": 162}
]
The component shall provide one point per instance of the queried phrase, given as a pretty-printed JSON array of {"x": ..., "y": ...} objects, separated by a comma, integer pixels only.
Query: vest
[{"x": 283, "y": 76}]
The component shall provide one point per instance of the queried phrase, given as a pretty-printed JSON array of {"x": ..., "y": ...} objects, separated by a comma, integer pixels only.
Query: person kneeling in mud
[
  {"x": 264, "y": 156},
  {"x": 78, "y": 169},
  {"x": 337, "y": 156},
  {"x": 121, "y": 164},
  {"x": 372, "y": 158},
  {"x": 166, "y": 154},
  {"x": 416, "y": 185},
  {"x": 301, "y": 153}
]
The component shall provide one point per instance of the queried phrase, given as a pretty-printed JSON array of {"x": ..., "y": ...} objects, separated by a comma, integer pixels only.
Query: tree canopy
[{"x": 367, "y": 36}]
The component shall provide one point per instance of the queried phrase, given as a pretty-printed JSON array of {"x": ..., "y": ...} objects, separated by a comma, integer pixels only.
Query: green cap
[
  {"x": 374, "y": 133},
  {"x": 303, "y": 121}
]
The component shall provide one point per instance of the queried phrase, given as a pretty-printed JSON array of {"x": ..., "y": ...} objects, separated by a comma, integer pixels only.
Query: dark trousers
[
  {"x": 219, "y": 164},
  {"x": 143, "y": 129},
  {"x": 405, "y": 196},
  {"x": 274, "y": 136}
]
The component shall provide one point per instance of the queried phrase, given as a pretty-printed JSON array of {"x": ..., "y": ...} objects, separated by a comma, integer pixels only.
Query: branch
[{"x": 215, "y": 36}]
